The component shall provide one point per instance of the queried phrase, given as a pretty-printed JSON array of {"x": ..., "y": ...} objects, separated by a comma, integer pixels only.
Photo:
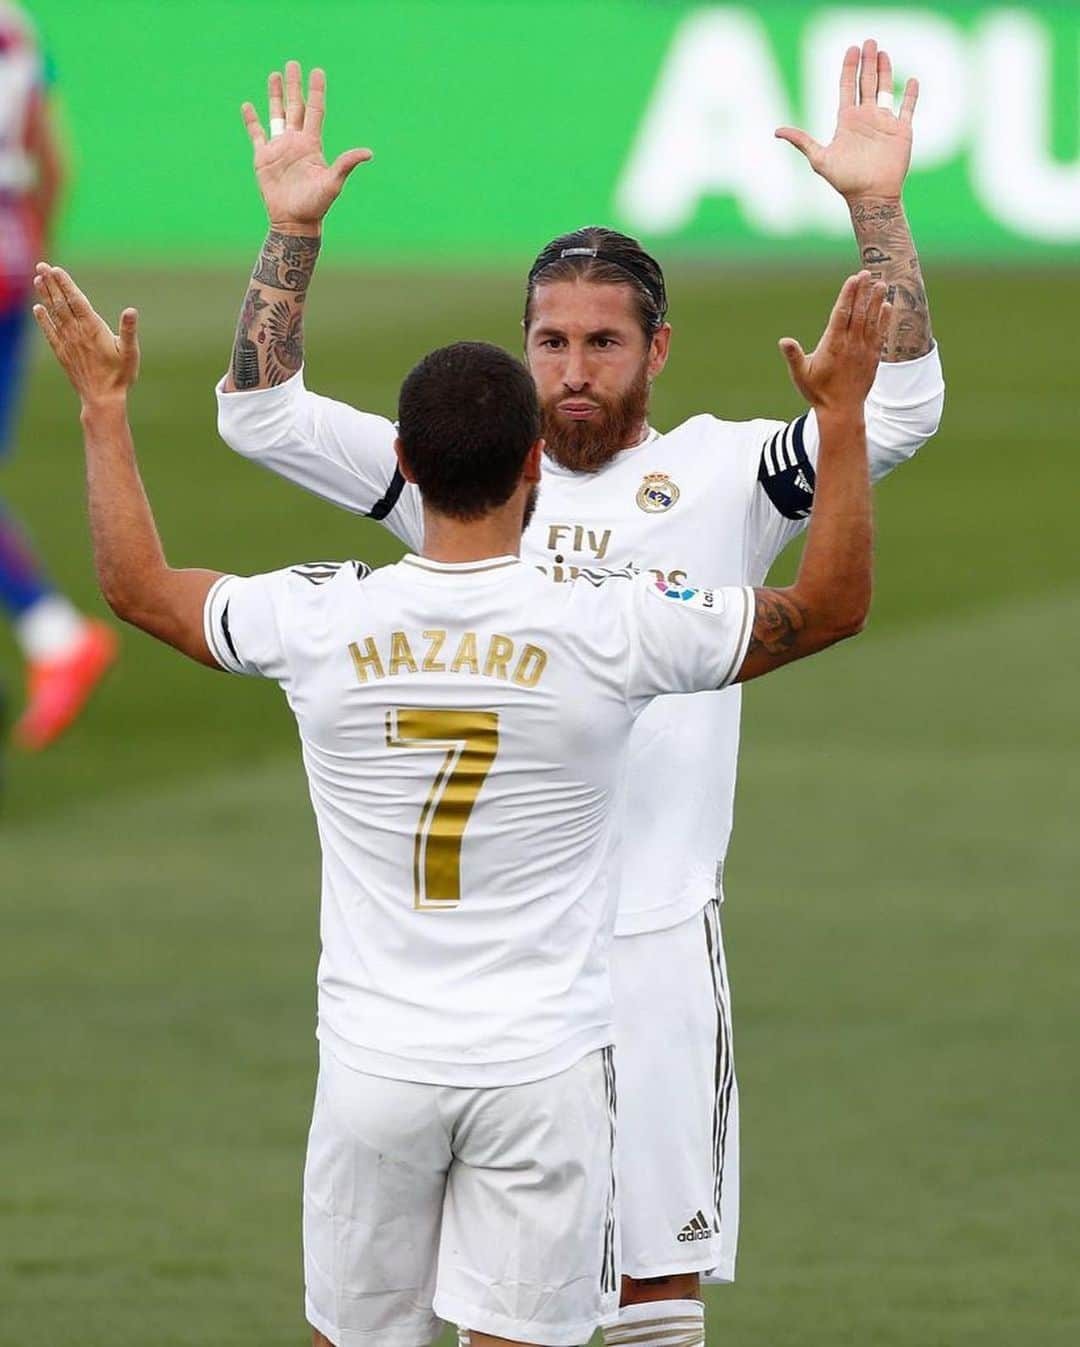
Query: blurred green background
[{"x": 901, "y": 918}]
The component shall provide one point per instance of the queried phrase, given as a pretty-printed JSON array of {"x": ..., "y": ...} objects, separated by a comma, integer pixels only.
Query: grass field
[{"x": 902, "y": 892}]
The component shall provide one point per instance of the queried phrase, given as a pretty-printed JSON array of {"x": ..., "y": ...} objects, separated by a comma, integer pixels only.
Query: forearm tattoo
[
  {"x": 888, "y": 252},
  {"x": 269, "y": 345},
  {"x": 778, "y": 622}
]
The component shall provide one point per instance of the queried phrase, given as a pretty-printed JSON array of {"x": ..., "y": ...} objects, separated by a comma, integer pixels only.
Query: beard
[
  {"x": 530, "y": 507},
  {"x": 586, "y": 446}
]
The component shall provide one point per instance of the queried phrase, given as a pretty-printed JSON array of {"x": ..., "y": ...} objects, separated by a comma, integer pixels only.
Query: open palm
[
  {"x": 298, "y": 186},
  {"x": 870, "y": 151}
]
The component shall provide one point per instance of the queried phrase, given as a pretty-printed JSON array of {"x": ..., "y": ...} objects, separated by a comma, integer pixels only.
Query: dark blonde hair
[{"x": 604, "y": 257}]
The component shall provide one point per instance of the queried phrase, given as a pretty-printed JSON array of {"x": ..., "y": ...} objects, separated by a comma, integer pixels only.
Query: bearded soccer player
[
  {"x": 66, "y": 653},
  {"x": 710, "y": 498},
  {"x": 464, "y": 726}
]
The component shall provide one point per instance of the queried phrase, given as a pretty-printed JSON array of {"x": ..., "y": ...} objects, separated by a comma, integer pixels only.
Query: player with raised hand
[
  {"x": 464, "y": 726},
  {"x": 712, "y": 498},
  {"x": 298, "y": 188},
  {"x": 867, "y": 161}
]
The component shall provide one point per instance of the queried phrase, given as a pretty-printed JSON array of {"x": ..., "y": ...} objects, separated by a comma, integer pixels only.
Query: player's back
[{"x": 462, "y": 730}]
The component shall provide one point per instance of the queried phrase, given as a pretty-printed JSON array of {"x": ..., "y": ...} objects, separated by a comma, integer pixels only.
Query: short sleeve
[
  {"x": 684, "y": 639},
  {"x": 242, "y": 624}
]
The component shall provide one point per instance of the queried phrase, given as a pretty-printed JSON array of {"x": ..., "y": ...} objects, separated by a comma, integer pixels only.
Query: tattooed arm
[
  {"x": 888, "y": 253},
  {"x": 269, "y": 345},
  {"x": 867, "y": 162},
  {"x": 830, "y": 597},
  {"x": 298, "y": 187}
]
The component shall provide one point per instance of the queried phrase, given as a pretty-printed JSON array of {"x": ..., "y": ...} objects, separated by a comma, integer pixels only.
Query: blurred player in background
[
  {"x": 464, "y": 725},
  {"x": 710, "y": 498},
  {"x": 66, "y": 653}
]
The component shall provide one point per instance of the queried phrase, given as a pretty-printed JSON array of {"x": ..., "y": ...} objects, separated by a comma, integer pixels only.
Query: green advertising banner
[{"x": 499, "y": 123}]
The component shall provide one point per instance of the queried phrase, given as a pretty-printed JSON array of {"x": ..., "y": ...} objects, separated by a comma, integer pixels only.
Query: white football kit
[
  {"x": 464, "y": 730},
  {"x": 714, "y": 501}
]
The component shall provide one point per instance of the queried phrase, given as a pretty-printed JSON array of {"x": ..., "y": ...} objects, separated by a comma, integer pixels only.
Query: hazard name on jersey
[{"x": 435, "y": 651}]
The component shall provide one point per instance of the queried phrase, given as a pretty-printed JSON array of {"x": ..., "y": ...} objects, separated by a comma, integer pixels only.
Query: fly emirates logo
[{"x": 575, "y": 548}]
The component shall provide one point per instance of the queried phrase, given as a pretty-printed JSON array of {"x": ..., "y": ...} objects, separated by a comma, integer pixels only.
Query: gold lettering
[
  {"x": 600, "y": 548},
  {"x": 401, "y": 655},
  {"x": 530, "y": 666},
  {"x": 500, "y": 649},
  {"x": 436, "y": 638},
  {"x": 368, "y": 660},
  {"x": 466, "y": 654},
  {"x": 555, "y": 533}
]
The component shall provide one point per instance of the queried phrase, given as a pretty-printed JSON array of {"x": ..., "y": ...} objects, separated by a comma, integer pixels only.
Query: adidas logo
[
  {"x": 801, "y": 482},
  {"x": 697, "y": 1228}
]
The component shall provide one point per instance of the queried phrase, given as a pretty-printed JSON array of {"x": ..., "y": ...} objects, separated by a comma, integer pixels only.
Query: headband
[{"x": 639, "y": 274}]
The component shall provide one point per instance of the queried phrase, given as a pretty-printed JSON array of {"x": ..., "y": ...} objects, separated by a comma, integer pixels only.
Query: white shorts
[
  {"x": 489, "y": 1208},
  {"x": 678, "y": 1141}
]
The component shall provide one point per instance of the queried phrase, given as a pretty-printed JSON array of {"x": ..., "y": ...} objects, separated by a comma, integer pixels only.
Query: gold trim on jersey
[{"x": 466, "y": 568}]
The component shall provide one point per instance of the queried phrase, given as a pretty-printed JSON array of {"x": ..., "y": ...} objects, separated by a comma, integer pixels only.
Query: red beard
[{"x": 586, "y": 446}]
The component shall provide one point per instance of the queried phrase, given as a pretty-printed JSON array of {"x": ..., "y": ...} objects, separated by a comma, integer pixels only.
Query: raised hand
[
  {"x": 101, "y": 364},
  {"x": 870, "y": 150},
  {"x": 298, "y": 186},
  {"x": 838, "y": 374}
]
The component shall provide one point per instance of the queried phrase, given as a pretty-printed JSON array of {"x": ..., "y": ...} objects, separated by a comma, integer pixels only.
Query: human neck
[{"x": 497, "y": 534}]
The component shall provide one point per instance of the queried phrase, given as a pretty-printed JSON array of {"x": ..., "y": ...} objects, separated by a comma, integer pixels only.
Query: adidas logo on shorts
[{"x": 697, "y": 1228}]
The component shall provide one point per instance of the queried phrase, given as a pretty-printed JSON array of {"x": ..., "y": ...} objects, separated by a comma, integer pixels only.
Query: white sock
[
  {"x": 50, "y": 629},
  {"x": 658, "y": 1323}
]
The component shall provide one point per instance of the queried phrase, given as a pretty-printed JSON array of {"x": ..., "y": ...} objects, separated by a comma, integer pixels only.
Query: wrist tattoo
[
  {"x": 876, "y": 212},
  {"x": 287, "y": 261}
]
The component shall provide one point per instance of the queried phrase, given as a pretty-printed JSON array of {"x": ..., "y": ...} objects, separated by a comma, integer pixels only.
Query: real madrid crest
[{"x": 657, "y": 493}]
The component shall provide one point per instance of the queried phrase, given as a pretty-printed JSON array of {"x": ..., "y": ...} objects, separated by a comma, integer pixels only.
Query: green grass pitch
[{"x": 902, "y": 890}]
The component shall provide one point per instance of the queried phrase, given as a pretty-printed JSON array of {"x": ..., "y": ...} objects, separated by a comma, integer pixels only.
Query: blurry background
[{"x": 901, "y": 920}]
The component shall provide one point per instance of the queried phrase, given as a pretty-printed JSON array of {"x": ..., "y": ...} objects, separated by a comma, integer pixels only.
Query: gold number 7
[{"x": 470, "y": 740}]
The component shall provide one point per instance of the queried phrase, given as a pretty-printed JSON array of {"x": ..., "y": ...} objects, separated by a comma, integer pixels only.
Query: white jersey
[
  {"x": 464, "y": 732},
  {"x": 711, "y": 501}
]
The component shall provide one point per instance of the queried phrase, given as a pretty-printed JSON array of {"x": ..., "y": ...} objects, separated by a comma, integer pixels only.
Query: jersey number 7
[{"x": 468, "y": 741}]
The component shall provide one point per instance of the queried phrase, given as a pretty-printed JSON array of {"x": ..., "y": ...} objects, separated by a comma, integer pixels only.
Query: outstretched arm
[
  {"x": 136, "y": 580},
  {"x": 867, "y": 162},
  {"x": 298, "y": 187},
  {"x": 830, "y": 597}
]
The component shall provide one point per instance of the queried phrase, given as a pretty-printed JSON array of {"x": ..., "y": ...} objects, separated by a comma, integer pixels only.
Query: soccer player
[
  {"x": 711, "y": 498},
  {"x": 464, "y": 725},
  {"x": 66, "y": 654}
]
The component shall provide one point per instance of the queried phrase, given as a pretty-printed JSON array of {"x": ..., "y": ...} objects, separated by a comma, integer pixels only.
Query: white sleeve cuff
[
  {"x": 907, "y": 383},
  {"x": 268, "y": 397}
]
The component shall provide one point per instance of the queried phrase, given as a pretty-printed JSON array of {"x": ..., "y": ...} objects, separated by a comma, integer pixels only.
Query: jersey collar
[{"x": 460, "y": 567}]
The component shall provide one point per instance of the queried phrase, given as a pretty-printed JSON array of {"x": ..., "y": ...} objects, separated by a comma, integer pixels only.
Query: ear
[
  {"x": 402, "y": 462},
  {"x": 530, "y": 471},
  {"x": 659, "y": 347}
]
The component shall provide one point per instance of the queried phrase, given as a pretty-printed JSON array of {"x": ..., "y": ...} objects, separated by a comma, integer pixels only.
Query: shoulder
[
  {"x": 316, "y": 573},
  {"x": 296, "y": 594},
  {"x": 706, "y": 442}
]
